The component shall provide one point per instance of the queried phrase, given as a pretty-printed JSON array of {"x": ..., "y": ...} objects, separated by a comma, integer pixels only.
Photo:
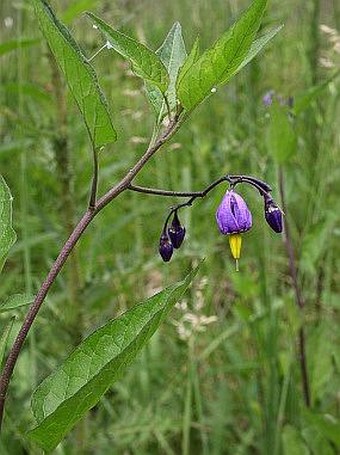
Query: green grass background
[{"x": 232, "y": 386}]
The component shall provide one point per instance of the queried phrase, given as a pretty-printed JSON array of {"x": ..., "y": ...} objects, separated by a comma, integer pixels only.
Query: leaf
[
  {"x": 146, "y": 64},
  {"x": 16, "y": 301},
  {"x": 5, "y": 333},
  {"x": 13, "y": 45},
  {"x": 80, "y": 76},
  {"x": 258, "y": 45},
  {"x": 190, "y": 60},
  {"x": 219, "y": 63},
  {"x": 7, "y": 233},
  {"x": 281, "y": 134},
  {"x": 78, "y": 384},
  {"x": 172, "y": 54}
]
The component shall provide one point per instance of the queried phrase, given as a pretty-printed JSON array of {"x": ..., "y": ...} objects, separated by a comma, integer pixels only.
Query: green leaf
[
  {"x": 257, "y": 46},
  {"x": 80, "y": 76},
  {"x": 16, "y": 301},
  {"x": 172, "y": 54},
  {"x": 146, "y": 64},
  {"x": 219, "y": 63},
  {"x": 190, "y": 60},
  {"x": 5, "y": 333},
  {"x": 281, "y": 134},
  {"x": 78, "y": 384},
  {"x": 7, "y": 233},
  {"x": 12, "y": 45}
]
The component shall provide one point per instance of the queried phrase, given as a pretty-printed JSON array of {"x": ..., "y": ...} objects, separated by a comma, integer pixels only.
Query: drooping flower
[
  {"x": 165, "y": 247},
  {"x": 176, "y": 232},
  {"x": 233, "y": 215},
  {"x": 233, "y": 218},
  {"x": 273, "y": 214}
]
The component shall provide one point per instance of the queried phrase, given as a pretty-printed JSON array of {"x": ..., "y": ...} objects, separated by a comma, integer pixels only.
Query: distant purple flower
[
  {"x": 176, "y": 232},
  {"x": 273, "y": 214},
  {"x": 268, "y": 98},
  {"x": 271, "y": 96},
  {"x": 165, "y": 247},
  {"x": 233, "y": 215}
]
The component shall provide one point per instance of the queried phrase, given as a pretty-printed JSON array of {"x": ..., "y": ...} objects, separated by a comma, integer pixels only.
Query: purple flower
[
  {"x": 176, "y": 232},
  {"x": 273, "y": 214},
  {"x": 233, "y": 215},
  {"x": 268, "y": 98}
]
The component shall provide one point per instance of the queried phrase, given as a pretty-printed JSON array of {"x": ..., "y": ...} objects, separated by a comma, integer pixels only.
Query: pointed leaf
[
  {"x": 219, "y": 63},
  {"x": 257, "y": 47},
  {"x": 146, "y": 64},
  {"x": 68, "y": 393},
  {"x": 7, "y": 233},
  {"x": 16, "y": 301},
  {"x": 80, "y": 76},
  {"x": 172, "y": 53}
]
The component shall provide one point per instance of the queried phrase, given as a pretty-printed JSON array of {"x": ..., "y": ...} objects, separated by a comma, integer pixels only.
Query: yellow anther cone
[{"x": 235, "y": 243}]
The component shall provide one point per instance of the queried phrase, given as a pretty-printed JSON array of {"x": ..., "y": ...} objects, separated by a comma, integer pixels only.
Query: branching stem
[
  {"x": 233, "y": 180},
  {"x": 67, "y": 249}
]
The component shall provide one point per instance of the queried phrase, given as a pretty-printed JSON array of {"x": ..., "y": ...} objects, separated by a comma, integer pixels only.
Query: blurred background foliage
[{"x": 222, "y": 375}]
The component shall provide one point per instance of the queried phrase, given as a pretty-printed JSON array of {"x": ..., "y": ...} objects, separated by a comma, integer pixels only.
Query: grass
[{"x": 235, "y": 386}]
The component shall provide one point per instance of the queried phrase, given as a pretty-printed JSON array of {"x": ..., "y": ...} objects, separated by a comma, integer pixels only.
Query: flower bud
[
  {"x": 273, "y": 214},
  {"x": 165, "y": 247},
  {"x": 176, "y": 232}
]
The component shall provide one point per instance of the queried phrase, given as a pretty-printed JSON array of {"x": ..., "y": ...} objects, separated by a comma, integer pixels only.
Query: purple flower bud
[
  {"x": 273, "y": 214},
  {"x": 165, "y": 247},
  {"x": 176, "y": 232},
  {"x": 233, "y": 215}
]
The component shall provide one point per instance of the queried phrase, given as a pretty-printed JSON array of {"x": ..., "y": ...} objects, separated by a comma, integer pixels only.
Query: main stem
[
  {"x": 64, "y": 254},
  {"x": 298, "y": 296}
]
